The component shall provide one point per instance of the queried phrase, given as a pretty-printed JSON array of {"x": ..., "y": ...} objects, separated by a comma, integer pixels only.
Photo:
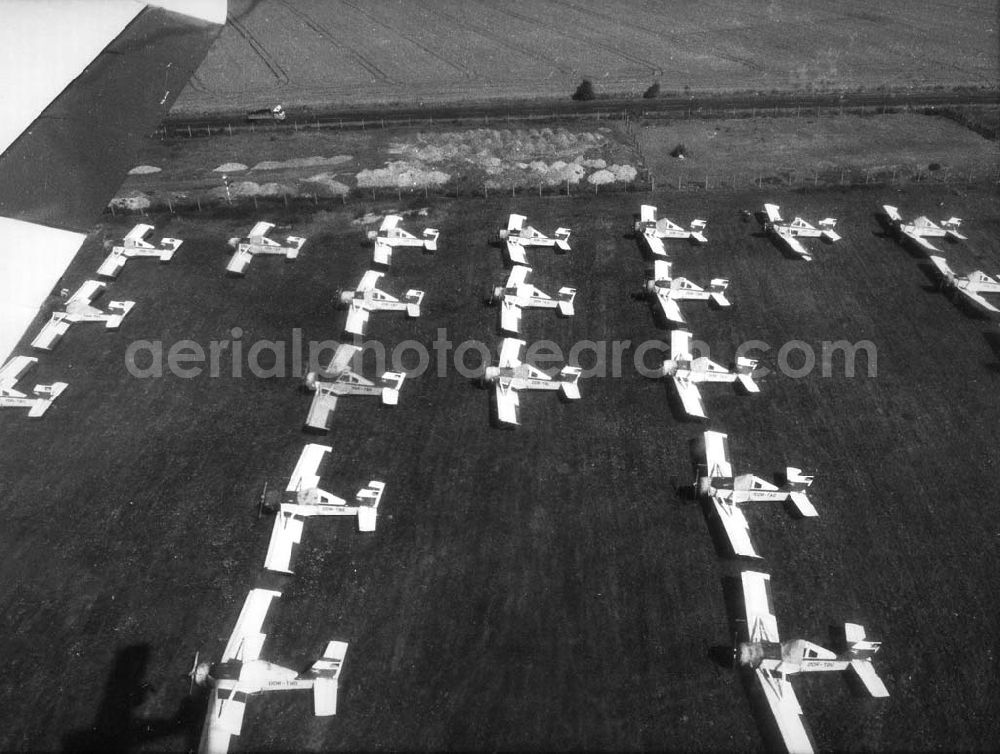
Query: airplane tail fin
[
  {"x": 828, "y": 224},
  {"x": 861, "y": 651},
  {"x": 431, "y": 239},
  {"x": 562, "y": 239},
  {"x": 717, "y": 289},
  {"x": 122, "y": 308},
  {"x": 697, "y": 226},
  {"x": 566, "y": 297},
  {"x": 167, "y": 248},
  {"x": 326, "y": 671},
  {"x": 368, "y": 500},
  {"x": 744, "y": 374},
  {"x": 46, "y": 397},
  {"x": 951, "y": 226},
  {"x": 413, "y": 300},
  {"x": 295, "y": 244},
  {"x": 569, "y": 377},
  {"x": 391, "y": 384}
]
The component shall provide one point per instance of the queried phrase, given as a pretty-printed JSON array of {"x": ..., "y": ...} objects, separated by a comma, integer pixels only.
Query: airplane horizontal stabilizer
[
  {"x": 431, "y": 239},
  {"x": 865, "y": 672},
  {"x": 48, "y": 394},
  {"x": 566, "y": 297},
  {"x": 569, "y": 378},
  {"x": 413, "y": 300},
  {"x": 802, "y": 504}
]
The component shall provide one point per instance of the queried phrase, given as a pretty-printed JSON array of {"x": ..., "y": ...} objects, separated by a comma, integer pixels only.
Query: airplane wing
[
  {"x": 515, "y": 252},
  {"x": 515, "y": 222},
  {"x": 717, "y": 454},
  {"x": 357, "y": 318},
  {"x": 510, "y": 316},
  {"x": 518, "y": 274},
  {"x": 82, "y": 85},
  {"x": 321, "y": 409},
  {"x": 369, "y": 280},
  {"x": 12, "y": 372},
  {"x": 224, "y": 719},
  {"x": 671, "y": 310},
  {"x": 285, "y": 535},
  {"x": 680, "y": 344},
  {"x": 261, "y": 228},
  {"x": 247, "y": 640},
  {"x": 390, "y": 222},
  {"x": 773, "y": 215},
  {"x": 304, "y": 476},
  {"x": 920, "y": 240},
  {"x": 382, "y": 253},
  {"x": 85, "y": 294},
  {"x": 647, "y": 213},
  {"x": 785, "y": 709},
  {"x": 734, "y": 523},
  {"x": 761, "y": 623},
  {"x": 690, "y": 396},
  {"x": 795, "y": 245},
  {"x": 655, "y": 245},
  {"x": 662, "y": 270},
  {"x": 974, "y": 298},
  {"x": 510, "y": 350},
  {"x": 138, "y": 232},
  {"x": 342, "y": 358},
  {"x": 942, "y": 266},
  {"x": 507, "y": 404}
]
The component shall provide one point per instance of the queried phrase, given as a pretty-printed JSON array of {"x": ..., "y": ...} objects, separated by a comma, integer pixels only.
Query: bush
[
  {"x": 584, "y": 92},
  {"x": 679, "y": 151},
  {"x": 652, "y": 92}
]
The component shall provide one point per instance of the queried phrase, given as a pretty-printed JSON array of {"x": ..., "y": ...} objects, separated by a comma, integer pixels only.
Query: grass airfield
[{"x": 543, "y": 588}]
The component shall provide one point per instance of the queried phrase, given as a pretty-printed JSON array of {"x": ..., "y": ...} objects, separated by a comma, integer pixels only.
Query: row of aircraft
[
  {"x": 511, "y": 375},
  {"x": 761, "y": 652},
  {"x": 79, "y": 308},
  {"x": 240, "y": 671}
]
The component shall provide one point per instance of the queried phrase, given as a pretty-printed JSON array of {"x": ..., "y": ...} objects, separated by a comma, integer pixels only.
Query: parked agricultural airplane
[
  {"x": 773, "y": 661},
  {"x": 367, "y": 298},
  {"x": 390, "y": 235},
  {"x": 240, "y": 672},
  {"x": 687, "y": 372},
  {"x": 256, "y": 243},
  {"x": 518, "y": 295},
  {"x": 970, "y": 286},
  {"x": 135, "y": 245},
  {"x": 304, "y": 498},
  {"x": 518, "y": 236},
  {"x": 715, "y": 481},
  {"x": 338, "y": 380},
  {"x": 11, "y": 373},
  {"x": 790, "y": 233},
  {"x": 511, "y": 375},
  {"x": 654, "y": 231},
  {"x": 78, "y": 309},
  {"x": 923, "y": 228},
  {"x": 668, "y": 290}
]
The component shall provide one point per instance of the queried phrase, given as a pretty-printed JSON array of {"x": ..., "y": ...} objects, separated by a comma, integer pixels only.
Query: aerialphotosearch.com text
[{"x": 234, "y": 357}]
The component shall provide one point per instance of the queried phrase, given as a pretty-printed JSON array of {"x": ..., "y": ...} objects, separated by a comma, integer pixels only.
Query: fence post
[
  {"x": 198, "y": 199},
  {"x": 170, "y": 205},
  {"x": 189, "y": 130},
  {"x": 230, "y": 127}
]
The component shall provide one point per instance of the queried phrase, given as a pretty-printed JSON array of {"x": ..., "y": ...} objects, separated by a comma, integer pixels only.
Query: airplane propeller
[{"x": 193, "y": 673}]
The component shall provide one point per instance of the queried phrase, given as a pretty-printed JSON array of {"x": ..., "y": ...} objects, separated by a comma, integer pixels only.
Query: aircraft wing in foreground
[{"x": 971, "y": 287}]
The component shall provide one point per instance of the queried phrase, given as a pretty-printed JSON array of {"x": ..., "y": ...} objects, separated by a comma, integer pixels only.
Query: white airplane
[
  {"x": 367, "y": 298},
  {"x": 135, "y": 245},
  {"x": 654, "y": 231},
  {"x": 773, "y": 661},
  {"x": 44, "y": 395},
  {"x": 511, "y": 375},
  {"x": 687, "y": 372},
  {"x": 518, "y": 295},
  {"x": 970, "y": 286},
  {"x": 790, "y": 233},
  {"x": 78, "y": 309},
  {"x": 256, "y": 243},
  {"x": 727, "y": 492},
  {"x": 518, "y": 236},
  {"x": 923, "y": 228},
  {"x": 240, "y": 672},
  {"x": 390, "y": 235},
  {"x": 668, "y": 290},
  {"x": 304, "y": 498},
  {"x": 338, "y": 380}
]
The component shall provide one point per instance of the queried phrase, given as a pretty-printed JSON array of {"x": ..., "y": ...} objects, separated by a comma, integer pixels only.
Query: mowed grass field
[
  {"x": 541, "y": 588},
  {"x": 344, "y": 53}
]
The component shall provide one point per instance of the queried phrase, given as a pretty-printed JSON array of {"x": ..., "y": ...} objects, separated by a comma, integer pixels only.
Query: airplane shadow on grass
[
  {"x": 993, "y": 341},
  {"x": 117, "y": 727}
]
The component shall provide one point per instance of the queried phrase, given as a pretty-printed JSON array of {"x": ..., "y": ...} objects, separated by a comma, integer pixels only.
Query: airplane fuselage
[
  {"x": 257, "y": 675},
  {"x": 527, "y": 299},
  {"x": 519, "y": 378},
  {"x": 377, "y": 301}
]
